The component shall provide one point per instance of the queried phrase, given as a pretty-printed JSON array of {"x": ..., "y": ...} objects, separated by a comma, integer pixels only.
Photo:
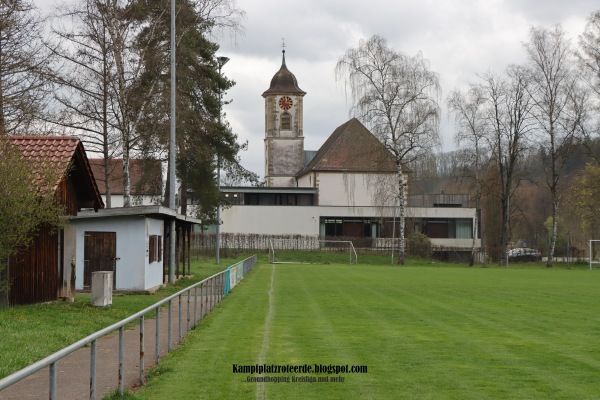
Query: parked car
[{"x": 524, "y": 254}]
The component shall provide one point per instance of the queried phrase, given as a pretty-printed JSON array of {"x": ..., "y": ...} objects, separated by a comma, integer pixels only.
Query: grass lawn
[
  {"x": 423, "y": 333},
  {"x": 30, "y": 333}
]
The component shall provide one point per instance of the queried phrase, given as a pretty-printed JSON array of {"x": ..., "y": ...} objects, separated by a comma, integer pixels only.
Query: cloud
[{"x": 460, "y": 38}]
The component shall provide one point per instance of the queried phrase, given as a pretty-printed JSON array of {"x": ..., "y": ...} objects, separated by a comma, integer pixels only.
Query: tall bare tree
[
  {"x": 510, "y": 122},
  {"x": 589, "y": 62},
  {"x": 396, "y": 97},
  {"x": 85, "y": 100},
  {"x": 558, "y": 109},
  {"x": 471, "y": 129},
  {"x": 589, "y": 54},
  {"x": 24, "y": 65},
  {"x": 584, "y": 195}
]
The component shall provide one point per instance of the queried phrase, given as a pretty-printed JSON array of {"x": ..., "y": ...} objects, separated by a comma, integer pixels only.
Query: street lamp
[{"x": 222, "y": 61}]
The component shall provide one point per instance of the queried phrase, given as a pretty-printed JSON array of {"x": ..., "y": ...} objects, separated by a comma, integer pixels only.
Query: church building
[{"x": 345, "y": 189}]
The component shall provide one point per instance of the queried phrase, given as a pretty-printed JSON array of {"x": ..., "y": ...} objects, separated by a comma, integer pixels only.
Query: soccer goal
[
  {"x": 289, "y": 251},
  {"x": 594, "y": 252}
]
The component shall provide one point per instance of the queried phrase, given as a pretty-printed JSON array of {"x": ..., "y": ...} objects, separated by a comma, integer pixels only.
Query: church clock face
[{"x": 285, "y": 103}]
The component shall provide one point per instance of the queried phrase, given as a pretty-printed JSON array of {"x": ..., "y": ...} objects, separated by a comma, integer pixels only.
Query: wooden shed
[{"x": 45, "y": 271}]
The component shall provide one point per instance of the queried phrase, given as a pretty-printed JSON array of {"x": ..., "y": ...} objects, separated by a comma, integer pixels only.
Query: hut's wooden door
[{"x": 99, "y": 254}]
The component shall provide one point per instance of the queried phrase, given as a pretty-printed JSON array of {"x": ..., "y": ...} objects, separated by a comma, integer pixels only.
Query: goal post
[
  {"x": 594, "y": 252},
  {"x": 288, "y": 251}
]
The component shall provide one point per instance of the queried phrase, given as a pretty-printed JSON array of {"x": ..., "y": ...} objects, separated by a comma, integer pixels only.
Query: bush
[{"x": 418, "y": 245}]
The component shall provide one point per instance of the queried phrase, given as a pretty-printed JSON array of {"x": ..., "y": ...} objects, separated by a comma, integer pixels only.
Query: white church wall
[{"x": 354, "y": 189}]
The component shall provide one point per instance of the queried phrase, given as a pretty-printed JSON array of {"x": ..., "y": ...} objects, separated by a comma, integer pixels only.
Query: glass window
[{"x": 464, "y": 229}]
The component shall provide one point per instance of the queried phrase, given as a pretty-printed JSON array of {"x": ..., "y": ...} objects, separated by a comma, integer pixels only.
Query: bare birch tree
[
  {"x": 85, "y": 102},
  {"x": 101, "y": 97},
  {"x": 471, "y": 130},
  {"x": 396, "y": 97},
  {"x": 557, "y": 97}
]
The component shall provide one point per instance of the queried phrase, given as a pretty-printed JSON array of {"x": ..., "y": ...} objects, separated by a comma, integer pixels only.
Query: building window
[
  {"x": 464, "y": 228},
  {"x": 155, "y": 248},
  {"x": 448, "y": 228},
  {"x": 347, "y": 227},
  {"x": 286, "y": 121}
]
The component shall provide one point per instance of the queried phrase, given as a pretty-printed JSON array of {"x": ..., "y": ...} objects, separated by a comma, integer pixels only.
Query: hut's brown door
[{"x": 99, "y": 254}]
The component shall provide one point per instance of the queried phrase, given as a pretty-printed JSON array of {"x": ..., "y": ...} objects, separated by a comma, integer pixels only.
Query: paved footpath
[{"x": 73, "y": 371}]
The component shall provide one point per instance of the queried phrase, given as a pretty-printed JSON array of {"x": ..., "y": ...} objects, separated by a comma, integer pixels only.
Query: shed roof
[
  {"x": 352, "y": 148},
  {"x": 151, "y": 211},
  {"x": 67, "y": 155}
]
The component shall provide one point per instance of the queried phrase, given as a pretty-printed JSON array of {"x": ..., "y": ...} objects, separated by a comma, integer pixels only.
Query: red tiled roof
[
  {"x": 60, "y": 151},
  {"x": 352, "y": 147},
  {"x": 55, "y": 149},
  {"x": 145, "y": 176}
]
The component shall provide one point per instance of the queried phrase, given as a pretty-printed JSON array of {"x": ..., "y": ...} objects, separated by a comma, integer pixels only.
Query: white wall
[
  {"x": 276, "y": 220},
  {"x": 304, "y": 220},
  {"x": 154, "y": 271},
  {"x": 352, "y": 189},
  {"x": 133, "y": 270},
  {"x": 116, "y": 200},
  {"x": 440, "y": 212}
]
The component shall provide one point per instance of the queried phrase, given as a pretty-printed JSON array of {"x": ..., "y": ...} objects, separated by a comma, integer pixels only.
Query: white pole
[
  {"x": 172, "y": 152},
  {"x": 222, "y": 61}
]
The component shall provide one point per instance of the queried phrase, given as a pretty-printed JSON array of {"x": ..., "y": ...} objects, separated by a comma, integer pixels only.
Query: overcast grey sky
[{"x": 460, "y": 38}]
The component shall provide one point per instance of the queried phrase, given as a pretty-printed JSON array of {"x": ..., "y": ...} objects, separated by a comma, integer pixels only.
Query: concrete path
[{"x": 73, "y": 371}]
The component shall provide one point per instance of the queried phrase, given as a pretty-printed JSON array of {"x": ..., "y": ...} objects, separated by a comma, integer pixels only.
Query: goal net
[
  {"x": 594, "y": 252},
  {"x": 290, "y": 251}
]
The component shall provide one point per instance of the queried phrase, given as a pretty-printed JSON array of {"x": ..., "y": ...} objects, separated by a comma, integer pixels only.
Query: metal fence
[{"x": 204, "y": 295}]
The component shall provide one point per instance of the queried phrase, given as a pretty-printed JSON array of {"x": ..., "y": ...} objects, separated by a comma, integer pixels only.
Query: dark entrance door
[{"x": 99, "y": 254}]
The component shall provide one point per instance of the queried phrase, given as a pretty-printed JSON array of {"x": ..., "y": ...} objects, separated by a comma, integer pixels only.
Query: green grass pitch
[{"x": 422, "y": 332}]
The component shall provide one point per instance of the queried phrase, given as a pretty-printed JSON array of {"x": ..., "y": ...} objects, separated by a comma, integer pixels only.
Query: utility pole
[
  {"x": 222, "y": 61},
  {"x": 172, "y": 153}
]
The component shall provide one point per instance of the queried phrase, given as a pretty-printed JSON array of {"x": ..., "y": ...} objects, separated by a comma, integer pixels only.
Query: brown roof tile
[
  {"x": 55, "y": 149},
  {"x": 62, "y": 152},
  {"x": 352, "y": 147},
  {"x": 145, "y": 176}
]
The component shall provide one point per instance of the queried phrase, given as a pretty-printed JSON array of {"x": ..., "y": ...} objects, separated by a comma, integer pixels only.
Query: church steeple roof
[{"x": 284, "y": 82}]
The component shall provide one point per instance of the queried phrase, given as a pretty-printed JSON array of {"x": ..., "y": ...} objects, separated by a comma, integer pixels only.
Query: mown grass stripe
[
  {"x": 260, "y": 387},
  {"x": 424, "y": 333}
]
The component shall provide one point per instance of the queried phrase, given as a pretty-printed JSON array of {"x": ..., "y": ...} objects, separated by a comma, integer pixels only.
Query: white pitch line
[{"x": 260, "y": 386}]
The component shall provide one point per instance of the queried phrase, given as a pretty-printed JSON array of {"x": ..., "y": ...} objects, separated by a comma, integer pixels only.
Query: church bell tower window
[{"x": 286, "y": 121}]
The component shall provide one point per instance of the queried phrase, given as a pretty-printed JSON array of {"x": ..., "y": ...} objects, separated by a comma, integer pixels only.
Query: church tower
[{"x": 284, "y": 141}]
